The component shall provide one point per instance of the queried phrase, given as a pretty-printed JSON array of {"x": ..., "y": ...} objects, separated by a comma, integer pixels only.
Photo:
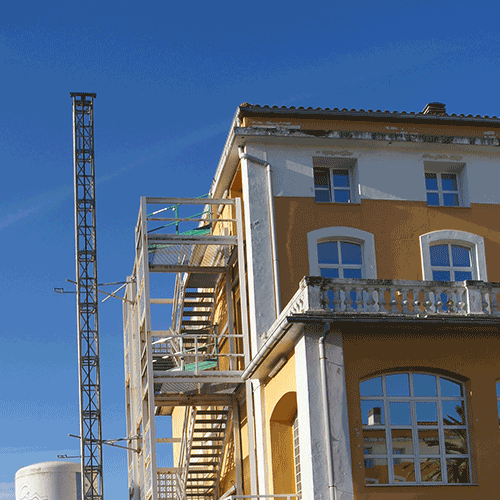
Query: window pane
[
  {"x": 350, "y": 252},
  {"x": 441, "y": 275},
  {"x": 374, "y": 441},
  {"x": 378, "y": 471},
  {"x": 431, "y": 183},
  {"x": 404, "y": 471},
  {"x": 329, "y": 272},
  {"x": 321, "y": 177},
  {"x": 342, "y": 196},
  {"x": 439, "y": 255},
  {"x": 352, "y": 273},
  {"x": 498, "y": 389},
  {"x": 426, "y": 413},
  {"x": 402, "y": 443},
  {"x": 460, "y": 256},
  {"x": 340, "y": 178},
  {"x": 398, "y": 384},
  {"x": 372, "y": 412},
  {"x": 328, "y": 252},
  {"x": 450, "y": 200},
  {"x": 322, "y": 195},
  {"x": 449, "y": 388},
  {"x": 453, "y": 412},
  {"x": 428, "y": 441},
  {"x": 433, "y": 199},
  {"x": 424, "y": 385},
  {"x": 430, "y": 470},
  {"x": 455, "y": 441},
  {"x": 449, "y": 182},
  {"x": 458, "y": 470},
  {"x": 371, "y": 387},
  {"x": 400, "y": 413},
  {"x": 462, "y": 275}
]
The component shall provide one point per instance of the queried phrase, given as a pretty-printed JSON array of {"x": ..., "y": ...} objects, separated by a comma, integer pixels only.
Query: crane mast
[{"x": 86, "y": 293}]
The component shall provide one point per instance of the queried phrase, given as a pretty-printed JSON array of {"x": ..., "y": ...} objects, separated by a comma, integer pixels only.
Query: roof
[{"x": 430, "y": 113}]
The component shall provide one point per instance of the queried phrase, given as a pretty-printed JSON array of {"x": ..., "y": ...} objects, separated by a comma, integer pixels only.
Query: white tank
[{"x": 49, "y": 481}]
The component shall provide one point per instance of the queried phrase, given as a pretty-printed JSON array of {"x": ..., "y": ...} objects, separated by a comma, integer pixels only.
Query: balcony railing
[
  {"x": 290, "y": 496},
  {"x": 395, "y": 297}
]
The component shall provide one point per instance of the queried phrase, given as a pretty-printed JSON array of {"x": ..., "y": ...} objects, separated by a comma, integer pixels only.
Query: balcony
[
  {"x": 329, "y": 300},
  {"x": 399, "y": 298}
]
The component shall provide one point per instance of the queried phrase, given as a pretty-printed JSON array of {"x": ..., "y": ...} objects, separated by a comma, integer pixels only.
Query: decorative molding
[
  {"x": 344, "y": 152},
  {"x": 442, "y": 157},
  {"x": 369, "y": 136}
]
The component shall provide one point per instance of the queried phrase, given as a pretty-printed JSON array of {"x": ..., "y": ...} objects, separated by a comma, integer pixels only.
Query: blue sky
[{"x": 168, "y": 79}]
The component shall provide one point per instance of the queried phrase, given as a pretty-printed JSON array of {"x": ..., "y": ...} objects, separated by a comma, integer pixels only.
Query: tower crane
[{"x": 86, "y": 296}]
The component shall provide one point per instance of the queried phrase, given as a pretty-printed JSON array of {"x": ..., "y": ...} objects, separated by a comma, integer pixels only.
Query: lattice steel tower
[{"x": 87, "y": 300}]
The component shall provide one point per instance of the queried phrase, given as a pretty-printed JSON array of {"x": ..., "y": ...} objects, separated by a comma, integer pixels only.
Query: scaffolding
[{"x": 194, "y": 248}]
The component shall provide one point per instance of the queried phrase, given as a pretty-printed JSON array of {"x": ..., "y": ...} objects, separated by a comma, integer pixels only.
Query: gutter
[
  {"x": 267, "y": 347},
  {"x": 270, "y": 202},
  {"x": 332, "y": 493}
]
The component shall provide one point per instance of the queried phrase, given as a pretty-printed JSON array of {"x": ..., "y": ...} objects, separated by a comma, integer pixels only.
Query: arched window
[
  {"x": 340, "y": 259},
  {"x": 414, "y": 429},
  {"x": 341, "y": 252},
  {"x": 453, "y": 256}
]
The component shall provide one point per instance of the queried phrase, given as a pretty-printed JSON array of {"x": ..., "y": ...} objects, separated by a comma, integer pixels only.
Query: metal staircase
[
  {"x": 196, "y": 363},
  {"x": 203, "y": 441}
]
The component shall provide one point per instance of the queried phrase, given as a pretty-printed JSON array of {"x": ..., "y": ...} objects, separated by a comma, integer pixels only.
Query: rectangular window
[
  {"x": 334, "y": 180},
  {"x": 445, "y": 184}
]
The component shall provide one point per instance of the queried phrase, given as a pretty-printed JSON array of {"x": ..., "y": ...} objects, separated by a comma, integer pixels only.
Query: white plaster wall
[
  {"x": 312, "y": 439},
  {"x": 262, "y": 308},
  {"x": 384, "y": 173}
]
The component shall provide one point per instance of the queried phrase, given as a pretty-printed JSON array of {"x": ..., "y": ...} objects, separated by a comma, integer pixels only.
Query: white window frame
[
  {"x": 332, "y": 164},
  {"x": 472, "y": 241},
  {"x": 349, "y": 234},
  {"x": 416, "y": 454},
  {"x": 443, "y": 167}
]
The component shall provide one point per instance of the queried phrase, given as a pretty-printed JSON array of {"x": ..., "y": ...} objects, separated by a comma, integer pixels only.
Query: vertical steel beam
[{"x": 87, "y": 300}]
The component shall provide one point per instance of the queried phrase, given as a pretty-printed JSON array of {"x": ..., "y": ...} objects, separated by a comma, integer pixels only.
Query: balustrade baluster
[
  {"x": 381, "y": 299},
  {"x": 348, "y": 300},
  {"x": 337, "y": 300},
  {"x": 404, "y": 300},
  {"x": 493, "y": 302},
  {"x": 360, "y": 302},
  {"x": 428, "y": 301},
  {"x": 394, "y": 301},
  {"x": 416, "y": 301},
  {"x": 370, "y": 304}
]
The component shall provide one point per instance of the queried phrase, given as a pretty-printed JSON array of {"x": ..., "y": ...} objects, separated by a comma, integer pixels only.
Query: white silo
[{"x": 49, "y": 481}]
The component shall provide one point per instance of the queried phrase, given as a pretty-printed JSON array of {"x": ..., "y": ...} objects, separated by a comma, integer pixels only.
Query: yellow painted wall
[
  {"x": 280, "y": 403},
  {"x": 470, "y": 354},
  {"x": 396, "y": 226}
]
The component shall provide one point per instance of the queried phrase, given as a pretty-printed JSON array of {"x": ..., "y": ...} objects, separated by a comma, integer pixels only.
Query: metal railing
[
  {"x": 286, "y": 496},
  {"x": 197, "y": 352}
]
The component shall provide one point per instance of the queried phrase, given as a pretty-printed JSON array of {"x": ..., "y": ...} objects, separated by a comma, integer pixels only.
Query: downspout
[
  {"x": 270, "y": 202},
  {"x": 332, "y": 492}
]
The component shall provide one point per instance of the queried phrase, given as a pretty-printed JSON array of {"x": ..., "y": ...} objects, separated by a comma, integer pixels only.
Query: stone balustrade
[{"x": 395, "y": 297}]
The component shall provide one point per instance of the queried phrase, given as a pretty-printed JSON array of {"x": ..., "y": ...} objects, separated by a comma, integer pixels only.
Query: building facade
[{"x": 334, "y": 326}]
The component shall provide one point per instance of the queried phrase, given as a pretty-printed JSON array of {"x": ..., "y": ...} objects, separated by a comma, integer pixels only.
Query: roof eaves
[{"x": 361, "y": 114}]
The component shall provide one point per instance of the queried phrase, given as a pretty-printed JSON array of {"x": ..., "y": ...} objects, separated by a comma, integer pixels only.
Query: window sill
[
  {"x": 415, "y": 485},
  {"x": 337, "y": 203},
  {"x": 441, "y": 206}
]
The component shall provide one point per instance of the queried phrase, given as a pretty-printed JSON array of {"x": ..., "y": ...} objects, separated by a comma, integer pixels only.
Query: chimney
[
  {"x": 375, "y": 416},
  {"x": 435, "y": 108}
]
